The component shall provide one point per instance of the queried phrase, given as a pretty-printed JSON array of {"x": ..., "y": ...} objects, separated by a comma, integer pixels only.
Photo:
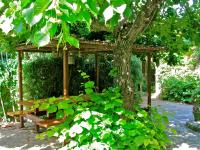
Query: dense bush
[
  {"x": 8, "y": 83},
  {"x": 102, "y": 123},
  {"x": 179, "y": 88},
  {"x": 43, "y": 75}
]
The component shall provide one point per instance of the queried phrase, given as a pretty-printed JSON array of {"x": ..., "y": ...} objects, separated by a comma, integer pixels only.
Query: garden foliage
[
  {"x": 179, "y": 89},
  {"x": 100, "y": 122},
  {"x": 8, "y": 83}
]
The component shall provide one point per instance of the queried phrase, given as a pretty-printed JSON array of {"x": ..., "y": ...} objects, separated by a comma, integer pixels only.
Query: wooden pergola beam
[{"x": 86, "y": 47}]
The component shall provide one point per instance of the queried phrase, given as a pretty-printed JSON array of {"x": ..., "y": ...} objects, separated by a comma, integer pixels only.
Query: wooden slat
[
  {"x": 19, "y": 113},
  {"x": 50, "y": 122}
]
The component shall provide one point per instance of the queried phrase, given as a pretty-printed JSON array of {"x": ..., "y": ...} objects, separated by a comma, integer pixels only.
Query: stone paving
[
  {"x": 185, "y": 139},
  {"x": 13, "y": 138}
]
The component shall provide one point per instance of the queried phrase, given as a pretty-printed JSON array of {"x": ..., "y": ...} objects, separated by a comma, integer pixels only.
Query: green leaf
[
  {"x": 44, "y": 106},
  {"x": 52, "y": 109},
  {"x": 87, "y": 17},
  {"x": 139, "y": 140},
  {"x": 69, "y": 111},
  {"x": 52, "y": 99},
  {"x": 60, "y": 114},
  {"x": 89, "y": 84},
  {"x": 72, "y": 41},
  {"x": 19, "y": 26},
  {"x": 41, "y": 39},
  {"x": 29, "y": 16},
  {"x": 93, "y": 6},
  {"x": 53, "y": 30},
  {"x": 128, "y": 12},
  {"x": 25, "y": 3},
  {"x": 41, "y": 6},
  {"x": 89, "y": 91},
  {"x": 117, "y": 3},
  {"x": 64, "y": 105}
]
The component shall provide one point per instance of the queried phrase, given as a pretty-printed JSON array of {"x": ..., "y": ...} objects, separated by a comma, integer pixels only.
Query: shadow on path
[
  {"x": 185, "y": 139},
  {"x": 14, "y": 138}
]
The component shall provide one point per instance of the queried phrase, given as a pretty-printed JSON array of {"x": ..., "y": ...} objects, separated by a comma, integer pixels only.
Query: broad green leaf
[
  {"x": 52, "y": 99},
  {"x": 87, "y": 17},
  {"x": 44, "y": 106},
  {"x": 128, "y": 12},
  {"x": 117, "y": 3},
  {"x": 93, "y": 6},
  {"x": 89, "y": 84},
  {"x": 25, "y": 3},
  {"x": 64, "y": 105},
  {"x": 19, "y": 26},
  {"x": 139, "y": 140},
  {"x": 60, "y": 114},
  {"x": 41, "y": 6},
  {"x": 52, "y": 109},
  {"x": 89, "y": 91},
  {"x": 29, "y": 16},
  {"x": 53, "y": 30},
  {"x": 41, "y": 39},
  {"x": 72, "y": 41},
  {"x": 69, "y": 111}
]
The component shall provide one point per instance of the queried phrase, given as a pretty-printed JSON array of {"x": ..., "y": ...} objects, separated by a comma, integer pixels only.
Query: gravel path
[
  {"x": 185, "y": 139},
  {"x": 13, "y": 138}
]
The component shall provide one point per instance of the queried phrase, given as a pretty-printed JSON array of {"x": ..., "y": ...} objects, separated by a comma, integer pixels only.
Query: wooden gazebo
[{"x": 93, "y": 47}]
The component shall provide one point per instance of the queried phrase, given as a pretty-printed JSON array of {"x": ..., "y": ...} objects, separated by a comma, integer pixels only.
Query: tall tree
[{"x": 40, "y": 21}]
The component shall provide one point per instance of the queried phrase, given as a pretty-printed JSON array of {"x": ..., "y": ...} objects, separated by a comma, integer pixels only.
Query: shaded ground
[
  {"x": 185, "y": 139},
  {"x": 13, "y": 138}
]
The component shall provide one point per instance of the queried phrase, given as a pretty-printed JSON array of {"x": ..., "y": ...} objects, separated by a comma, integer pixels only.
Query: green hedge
[
  {"x": 43, "y": 75},
  {"x": 179, "y": 89}
]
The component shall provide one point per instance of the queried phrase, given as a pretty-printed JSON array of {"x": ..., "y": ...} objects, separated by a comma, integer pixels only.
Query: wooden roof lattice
[{"x": 87, "y": 47}]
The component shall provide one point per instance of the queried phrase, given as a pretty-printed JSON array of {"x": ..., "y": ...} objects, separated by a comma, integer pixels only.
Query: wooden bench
[
  {"x": 45, "y": 123},
  {"x": 20, "y": 113}
]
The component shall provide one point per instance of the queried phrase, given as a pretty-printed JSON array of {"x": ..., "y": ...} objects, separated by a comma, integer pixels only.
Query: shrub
[
  {"x": 102, "y": 123},
  {"x": 43, "y": 77},
  {"x": 179, "y": 89}
]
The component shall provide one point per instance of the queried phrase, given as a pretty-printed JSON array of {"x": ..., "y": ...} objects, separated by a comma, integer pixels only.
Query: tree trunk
[{"x": 122, "y": 62}]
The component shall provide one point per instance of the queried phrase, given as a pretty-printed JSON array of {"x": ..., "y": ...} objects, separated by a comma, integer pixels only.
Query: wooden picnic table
[{"x": 37, "y": 113}]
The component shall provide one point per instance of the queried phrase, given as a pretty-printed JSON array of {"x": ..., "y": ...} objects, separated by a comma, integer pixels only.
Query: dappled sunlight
[
  {"x": 16, "y": 138},
  {"x": 185, "y": 146}
]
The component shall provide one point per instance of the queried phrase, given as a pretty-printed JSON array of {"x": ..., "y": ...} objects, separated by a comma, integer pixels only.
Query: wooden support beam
[
  {"x": 65, "y": 73},
  {"x": 149, "y": 79},
  {"x": 20, "y": 85},
  {"x": 97, "y": 71}
]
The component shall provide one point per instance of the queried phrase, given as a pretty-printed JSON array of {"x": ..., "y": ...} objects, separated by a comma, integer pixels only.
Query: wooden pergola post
[
  {"x": 97, "y": 71},
  {"x": 149, "y": 79},
  {"x": 20, "y": 85},
  {"x": 65, "y": 73}
]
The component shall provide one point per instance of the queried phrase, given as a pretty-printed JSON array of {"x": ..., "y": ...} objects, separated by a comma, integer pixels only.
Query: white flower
[
  {"x": 56, "y": 134},
  {"x": 72, "y": 144},
  {"x": 61, "y": 138},
  {"x": 76, "y": 129},
  {"x": 72, "y": 134},
  {"x": 86, "y": 115},
  {"x": 85, "y": 125},
  {"x": 97, "y": 114},
  {"x": 99, "y": 146}
]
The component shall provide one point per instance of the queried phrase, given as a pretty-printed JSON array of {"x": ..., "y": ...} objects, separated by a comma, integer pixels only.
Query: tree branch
[{"x": 144, "y": 19}]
